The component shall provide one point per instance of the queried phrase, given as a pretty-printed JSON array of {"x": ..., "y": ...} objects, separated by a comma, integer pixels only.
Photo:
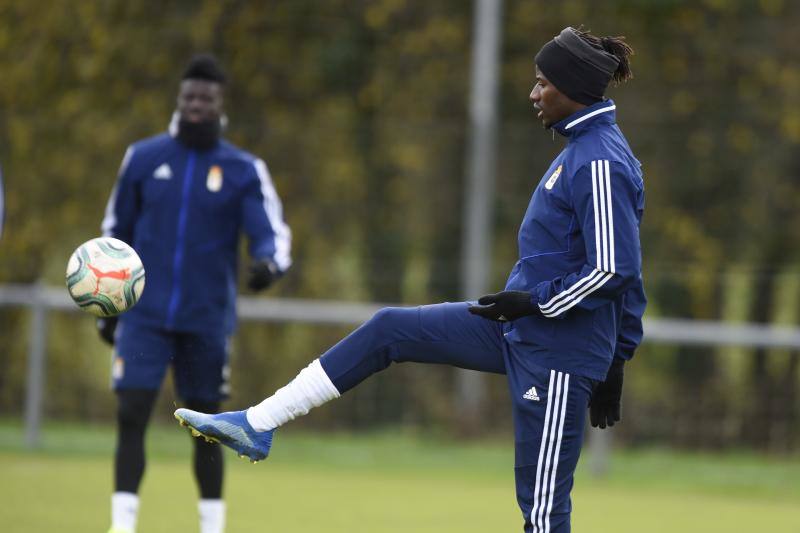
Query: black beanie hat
[{"x": 578, "y": 69}]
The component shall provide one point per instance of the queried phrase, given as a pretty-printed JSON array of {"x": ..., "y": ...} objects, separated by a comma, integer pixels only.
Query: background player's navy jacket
[
  {"x": 182, "y": 210},
  {"x": 579, "y": 250}
]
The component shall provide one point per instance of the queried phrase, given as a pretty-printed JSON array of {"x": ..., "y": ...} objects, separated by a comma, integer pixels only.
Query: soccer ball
[{"x": 105, "y": 276}]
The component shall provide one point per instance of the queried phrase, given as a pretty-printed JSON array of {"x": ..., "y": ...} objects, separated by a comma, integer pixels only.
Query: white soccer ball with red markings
[{"x": 105, "y": 276}]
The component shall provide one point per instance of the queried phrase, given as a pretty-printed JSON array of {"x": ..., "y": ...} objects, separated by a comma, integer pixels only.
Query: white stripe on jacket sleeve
[
  {"x": 274, "y": 212},
  {"x": 612, "y": 265},
  {"x": 604, "y": 246}
]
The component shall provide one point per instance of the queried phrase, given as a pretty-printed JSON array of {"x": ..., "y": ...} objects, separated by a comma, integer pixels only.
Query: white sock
[
  {"x": 212, "y": 516},
  {"x": 124, "y": 510},
  {"x": 311, "y": 388}
]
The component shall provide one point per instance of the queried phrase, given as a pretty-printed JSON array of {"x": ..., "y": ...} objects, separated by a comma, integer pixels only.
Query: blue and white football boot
[{"x": 231, "y": 429}]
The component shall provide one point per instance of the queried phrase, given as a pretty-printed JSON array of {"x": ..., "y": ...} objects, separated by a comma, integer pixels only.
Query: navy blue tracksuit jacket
[
  {"x": 182, "y": 210},
  {"x": 579, "y": 251}
]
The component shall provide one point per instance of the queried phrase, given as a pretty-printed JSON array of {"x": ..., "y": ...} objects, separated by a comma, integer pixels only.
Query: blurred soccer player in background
[
  {"x": 568, "y": 319},
  {"x": 182, "y": 199}
]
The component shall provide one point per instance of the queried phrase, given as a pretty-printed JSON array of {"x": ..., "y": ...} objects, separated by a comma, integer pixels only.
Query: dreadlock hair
[{"x": 615, "y": 46}]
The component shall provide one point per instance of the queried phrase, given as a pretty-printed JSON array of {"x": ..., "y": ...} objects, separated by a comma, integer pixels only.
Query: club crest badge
[
  {"x": 214, "y": 178},
  {"x": 553, "y": 178}
]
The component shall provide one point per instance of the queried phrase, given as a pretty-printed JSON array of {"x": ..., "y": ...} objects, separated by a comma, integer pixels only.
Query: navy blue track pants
[
  {"x": 199, "y": 361},
  {"x": 549, "y": 407}
]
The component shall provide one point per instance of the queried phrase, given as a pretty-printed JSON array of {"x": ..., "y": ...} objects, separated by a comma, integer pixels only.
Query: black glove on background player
[
  {"x": 106, "y": 328},
  {"x": 604, "y": 407},
  {"x": 505, "y": 306},
  {"x": 263, "y": 272}
]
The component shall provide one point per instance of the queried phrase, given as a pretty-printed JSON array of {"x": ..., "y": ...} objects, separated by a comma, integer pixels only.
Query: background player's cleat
[
  {"x": 118, "y": 530},
  {"x": 231, "y": 429}
]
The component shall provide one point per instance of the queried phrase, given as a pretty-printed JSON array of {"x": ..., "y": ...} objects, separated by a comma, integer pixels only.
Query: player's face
[
  {"x": 199, "y": 101},
  {"x": 552, "y": 104}
]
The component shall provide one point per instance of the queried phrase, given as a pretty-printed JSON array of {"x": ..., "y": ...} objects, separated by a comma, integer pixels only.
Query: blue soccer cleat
[{"x": 231, "y": 429}]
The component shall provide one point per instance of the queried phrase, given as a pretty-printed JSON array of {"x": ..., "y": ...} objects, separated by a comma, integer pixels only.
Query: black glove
[
  {"x": 106, "y": 327},
  {"x": 604, "y": 407},
  {"x": 263, "y": 272},
  {"x": 505, "y": 306}
]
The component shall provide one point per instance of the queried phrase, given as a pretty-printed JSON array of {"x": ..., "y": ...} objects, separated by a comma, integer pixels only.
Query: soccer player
[
  {"x": 568, "y": 319},
  {"x": 182, "y": 199}
]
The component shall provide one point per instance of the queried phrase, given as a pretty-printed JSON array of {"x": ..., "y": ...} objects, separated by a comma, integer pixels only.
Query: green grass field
[{"x": 386, "y": 483}]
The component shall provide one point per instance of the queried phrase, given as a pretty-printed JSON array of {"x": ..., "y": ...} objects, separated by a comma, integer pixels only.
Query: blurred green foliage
[{"x": 359, "y": 108}]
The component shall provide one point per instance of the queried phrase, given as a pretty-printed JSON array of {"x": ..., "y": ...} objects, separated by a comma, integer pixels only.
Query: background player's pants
[
  {"x": 548, "y": 406},
  {"x": 199, "y": 361},
  {"x": 142, "y": 357}
]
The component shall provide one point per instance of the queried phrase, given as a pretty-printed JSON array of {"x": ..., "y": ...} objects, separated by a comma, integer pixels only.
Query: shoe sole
[{"x": 208, "y": 438}]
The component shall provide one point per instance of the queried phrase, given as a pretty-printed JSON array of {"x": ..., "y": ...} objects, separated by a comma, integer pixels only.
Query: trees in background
[{"x": 359, "y": 108}]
